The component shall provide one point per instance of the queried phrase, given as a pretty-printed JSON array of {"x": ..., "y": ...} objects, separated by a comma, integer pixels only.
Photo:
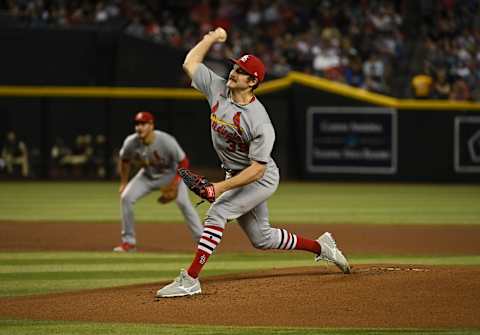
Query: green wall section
[{"x": 292, "y": 203}]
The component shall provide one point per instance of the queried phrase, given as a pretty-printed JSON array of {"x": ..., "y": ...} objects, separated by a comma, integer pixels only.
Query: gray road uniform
[
  {"x": 159, "y": 160},
  {"x": 241, "y": 134}
]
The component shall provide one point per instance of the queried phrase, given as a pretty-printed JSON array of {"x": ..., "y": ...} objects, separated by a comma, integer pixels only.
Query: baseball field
[{"x": 414, "y": 248}]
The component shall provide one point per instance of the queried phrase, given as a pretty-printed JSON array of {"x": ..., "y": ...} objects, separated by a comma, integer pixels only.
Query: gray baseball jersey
[
  {"x": 240, "y": 133},
  {"x": 158, "y": 158},
  {"x": 159, "y": 162}
]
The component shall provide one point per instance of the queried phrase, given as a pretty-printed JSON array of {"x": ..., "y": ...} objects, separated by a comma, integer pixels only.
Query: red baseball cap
[
  {"x": 252, "y": 65},
  {"x": 144, "y": 117}
]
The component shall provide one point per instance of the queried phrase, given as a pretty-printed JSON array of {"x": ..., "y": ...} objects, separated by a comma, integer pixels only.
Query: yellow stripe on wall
[
  {"x": 267, "y": 87},
  {"x": 342, "y": 89},
  {"x": 438, "y": 104},
  {"x": 99, "y": 92},
  {"x": 379, "y": 99}
]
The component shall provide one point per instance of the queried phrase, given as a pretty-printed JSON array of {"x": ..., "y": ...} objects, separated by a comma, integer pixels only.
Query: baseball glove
[
  {"x": 198, "y": 184},
  {"x": 169, "y": 193}
]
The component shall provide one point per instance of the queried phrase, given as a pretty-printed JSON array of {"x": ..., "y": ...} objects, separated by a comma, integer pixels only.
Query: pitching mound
[{"x": 372, "y": 296}]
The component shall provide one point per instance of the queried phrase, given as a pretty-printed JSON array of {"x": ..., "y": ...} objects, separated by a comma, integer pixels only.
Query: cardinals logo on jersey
[
  {"x": 236, "y": 121},
  {"x": 147, "y": 159},
  {"x": 215, "y": 107},
  {"x": 232, "y": 132}
]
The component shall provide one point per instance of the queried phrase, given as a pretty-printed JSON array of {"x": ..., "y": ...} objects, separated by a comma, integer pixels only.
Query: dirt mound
[{"x": 374, "y": 296}]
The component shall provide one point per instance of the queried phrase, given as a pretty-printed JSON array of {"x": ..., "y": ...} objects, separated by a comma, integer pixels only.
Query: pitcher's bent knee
[
  {"x": 215, "y": 218},
  {"x": 263, "y": 243}
]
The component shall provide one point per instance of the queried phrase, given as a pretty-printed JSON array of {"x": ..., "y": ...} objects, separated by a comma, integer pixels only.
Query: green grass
[
  {"x": 47, "y": 272},
  {"x": 26, "y": 273},
  {"x": 293, "y": 202},
  {"x": 16, "y": 327}
]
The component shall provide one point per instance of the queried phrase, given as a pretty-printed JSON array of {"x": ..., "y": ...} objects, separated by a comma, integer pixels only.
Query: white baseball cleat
[
  {"x": 331, "y": 253},
  {"x": 182, "y": 285}
]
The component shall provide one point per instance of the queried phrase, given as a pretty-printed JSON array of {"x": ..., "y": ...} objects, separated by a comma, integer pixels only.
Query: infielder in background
[
  {"x": 159, "y": 155},
  {"x": 243, "y": 138}
]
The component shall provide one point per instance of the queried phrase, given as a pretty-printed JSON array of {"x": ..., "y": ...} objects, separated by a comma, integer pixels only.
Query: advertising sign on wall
[
  {"x": 351, "y": 140},
  {"x": 467, "y": 144}
]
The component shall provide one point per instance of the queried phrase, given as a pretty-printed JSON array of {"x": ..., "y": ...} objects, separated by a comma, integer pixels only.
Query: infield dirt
[{"x": 386, "y": 296}]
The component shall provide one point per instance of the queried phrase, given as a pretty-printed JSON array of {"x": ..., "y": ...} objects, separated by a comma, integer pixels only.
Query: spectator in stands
[
  {"x": 79, "y": 159},
  {"x": 98, "y": 156},
  {"x": 422, "y": 85},
  {"x": 135, "y": 27},
  {"x": 327, "y": 53},
  {"x": 441, "y": 86},
  {"x": 353, "y": 73},
  {"x": 58, "y": 153},
  {"x": 281, "y": 67},
  {"x": 15, "y": 155},
  {"x": 254, "y": 14},
  {"x": 460, "y": 90},
  {"x": 374, "y": 71}
]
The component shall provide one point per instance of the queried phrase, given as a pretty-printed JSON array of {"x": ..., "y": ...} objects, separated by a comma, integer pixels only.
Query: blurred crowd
[
  {"x": 450, "y": 52},
  {"x": 369, "y": 44},
  {"x": 14, "y": 158},
  {"x": 86, "y": 156}
]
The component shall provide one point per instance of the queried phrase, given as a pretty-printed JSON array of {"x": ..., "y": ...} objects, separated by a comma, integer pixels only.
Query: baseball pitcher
[
  {"x": 243, "y": 137},
  {"x": 159, "y": 155}
]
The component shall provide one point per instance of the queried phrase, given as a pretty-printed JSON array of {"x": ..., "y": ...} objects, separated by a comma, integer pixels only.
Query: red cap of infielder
[
  {"x": 144, "y": 117},
  {"x": 252, "y": 65}
]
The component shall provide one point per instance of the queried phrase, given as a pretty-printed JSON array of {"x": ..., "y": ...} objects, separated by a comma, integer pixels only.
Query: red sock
[
  {"x": 199, "y": 261},
  {"x": 308, "y": 245},
  {"x": 290, "y": 241},
  {"x": 211, "y": 237}
]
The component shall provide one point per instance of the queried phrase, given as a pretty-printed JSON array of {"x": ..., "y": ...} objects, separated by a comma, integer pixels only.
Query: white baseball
[{"x": 222, "y": 34}]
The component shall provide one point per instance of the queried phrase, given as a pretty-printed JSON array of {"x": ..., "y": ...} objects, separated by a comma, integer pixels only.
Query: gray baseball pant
[
  {"x": 248, "y": 204},
  {"x": 138, "y": 187}
]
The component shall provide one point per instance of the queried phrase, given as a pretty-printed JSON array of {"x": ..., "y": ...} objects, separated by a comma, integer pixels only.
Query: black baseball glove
[{"x": 198, "y": 184}]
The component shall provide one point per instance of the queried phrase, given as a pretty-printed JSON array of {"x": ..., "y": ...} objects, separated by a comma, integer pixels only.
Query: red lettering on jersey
[
  {"x": 215, "y": 107},
  {"x": 233, "y": 138},
  {"x": 236, "y": 121}
]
